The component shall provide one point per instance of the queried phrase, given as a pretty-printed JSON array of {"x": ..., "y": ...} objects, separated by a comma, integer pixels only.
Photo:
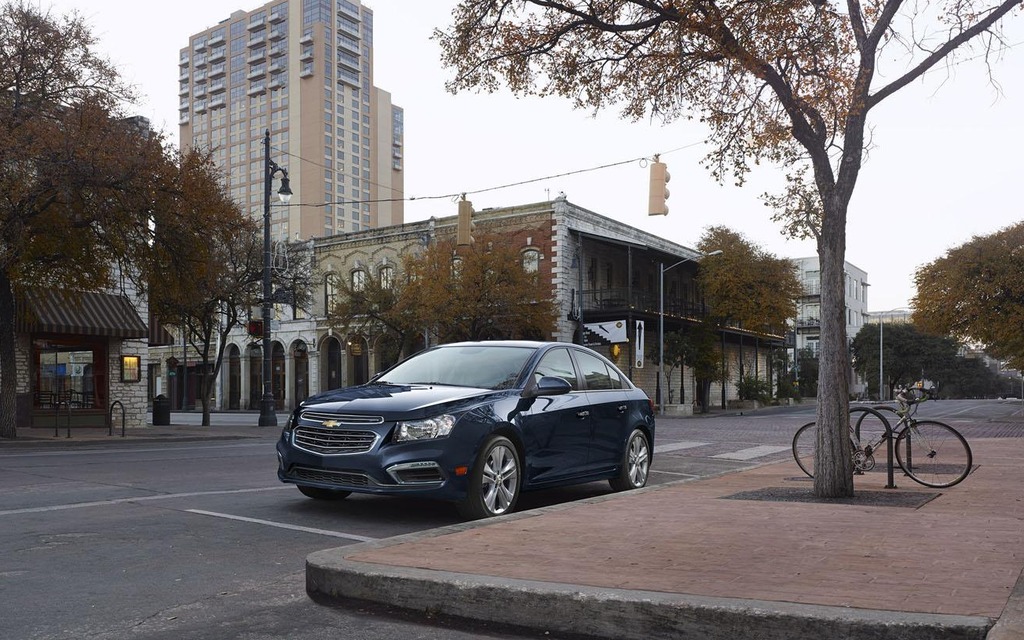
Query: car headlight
[
  {"x": 437, "y": 427},
  {"x": 290, "y": 424}
]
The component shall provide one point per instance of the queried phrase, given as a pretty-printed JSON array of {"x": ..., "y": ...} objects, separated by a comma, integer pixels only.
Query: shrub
[{"x": 750, "y": 388}]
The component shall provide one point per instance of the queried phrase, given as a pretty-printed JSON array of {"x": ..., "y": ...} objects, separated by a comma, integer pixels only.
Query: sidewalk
[
  {"x": 171, "y": 433},
  {"x": 694, "y": 559}
]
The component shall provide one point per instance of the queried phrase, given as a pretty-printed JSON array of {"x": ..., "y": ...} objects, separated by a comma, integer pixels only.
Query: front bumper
[{"x": 425, "y": 468}]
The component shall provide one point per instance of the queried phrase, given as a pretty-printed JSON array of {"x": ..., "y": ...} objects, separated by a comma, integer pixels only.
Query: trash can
[{"x": 161, "y": 411}]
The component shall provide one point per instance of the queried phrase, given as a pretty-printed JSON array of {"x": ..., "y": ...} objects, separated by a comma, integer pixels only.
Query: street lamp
[
  {"x": 268, "y": 415},
  {"x": 661, "y": 324},
  {"x": 881, "y": 335}
]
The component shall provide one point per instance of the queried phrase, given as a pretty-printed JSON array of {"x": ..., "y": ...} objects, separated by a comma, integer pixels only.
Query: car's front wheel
[
  {"x": 636, "y": 463},
  {"x": 495, "y": 482},
  {"x": 320, "y": 493}
]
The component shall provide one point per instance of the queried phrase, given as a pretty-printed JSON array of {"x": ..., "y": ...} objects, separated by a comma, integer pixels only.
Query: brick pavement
[{"x": 960, "y": 553}]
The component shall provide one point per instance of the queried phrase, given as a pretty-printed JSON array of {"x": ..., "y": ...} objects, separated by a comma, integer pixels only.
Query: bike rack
[
  {"x": 110, "y": 418},
  {"x": 888, "y": 437},
  {"x": 56, "y": 415}
]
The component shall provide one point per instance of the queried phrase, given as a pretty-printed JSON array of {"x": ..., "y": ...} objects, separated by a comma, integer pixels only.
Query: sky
[{"x": 945, "y": 164}]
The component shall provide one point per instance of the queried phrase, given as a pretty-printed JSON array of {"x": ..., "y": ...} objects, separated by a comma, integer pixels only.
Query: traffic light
[
  {"x": 255, "y": 328},
  {"x": 659, "y": 189},
  {"x": 466, "y": 224}
]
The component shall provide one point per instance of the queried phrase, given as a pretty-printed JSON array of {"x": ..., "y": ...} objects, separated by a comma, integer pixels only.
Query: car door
[
  {"x": 608, "y": 410},
  {"x": 556, "y": 430}
]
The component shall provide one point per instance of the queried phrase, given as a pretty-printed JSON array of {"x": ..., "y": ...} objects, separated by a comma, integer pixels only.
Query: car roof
[{"x": 499, "y": 343}]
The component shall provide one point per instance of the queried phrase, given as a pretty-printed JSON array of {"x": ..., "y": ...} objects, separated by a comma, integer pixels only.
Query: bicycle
[{"x": 930, "y": 452}]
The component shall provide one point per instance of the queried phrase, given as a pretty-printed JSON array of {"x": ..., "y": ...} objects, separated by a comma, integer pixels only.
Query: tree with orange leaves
[{"x": 80, "y": 180}]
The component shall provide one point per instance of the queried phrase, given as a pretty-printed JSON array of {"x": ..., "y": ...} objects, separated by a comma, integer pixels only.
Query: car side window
[
  {"x": 616, "y": 379},
  {"x": 557, "y": 363},
  {"x": 595, "y": 372}
]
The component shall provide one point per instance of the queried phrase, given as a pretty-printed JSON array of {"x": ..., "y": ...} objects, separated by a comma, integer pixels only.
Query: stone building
[
  {"x": 604, "y": 277},
  {"x": 81, "y": 358}
]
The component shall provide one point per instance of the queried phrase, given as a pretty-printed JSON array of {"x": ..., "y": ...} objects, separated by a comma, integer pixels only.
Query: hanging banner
[{"x": 639, "y": 353}]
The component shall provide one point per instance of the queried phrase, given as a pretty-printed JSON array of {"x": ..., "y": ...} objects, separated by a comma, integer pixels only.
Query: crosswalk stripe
[
  {"x": 676, "y": 446},
  {"x": 751, "y": 453},
  {"x": 282, "y": 525}
]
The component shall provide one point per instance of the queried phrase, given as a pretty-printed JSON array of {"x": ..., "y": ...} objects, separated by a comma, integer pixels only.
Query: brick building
[{"x": 603, "y": 275}]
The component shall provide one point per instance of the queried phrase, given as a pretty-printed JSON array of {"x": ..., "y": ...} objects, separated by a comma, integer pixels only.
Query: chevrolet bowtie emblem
[{"x": 330, "y": 423}]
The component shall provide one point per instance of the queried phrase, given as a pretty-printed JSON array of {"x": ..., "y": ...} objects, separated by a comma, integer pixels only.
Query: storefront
[{"x": 85, "y": 354}]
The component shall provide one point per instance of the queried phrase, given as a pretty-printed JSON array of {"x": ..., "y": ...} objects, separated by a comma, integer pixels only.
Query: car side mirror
[{"x": 548, "y": 386}]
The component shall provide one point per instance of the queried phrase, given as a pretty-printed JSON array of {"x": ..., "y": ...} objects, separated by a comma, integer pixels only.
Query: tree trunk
[
  {"x": 705, "y": 395},
  {"x": 833, "y": 465},
  {"x": 8, "y": 363}
]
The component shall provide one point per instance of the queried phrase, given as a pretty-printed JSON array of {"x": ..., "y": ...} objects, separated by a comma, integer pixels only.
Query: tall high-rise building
[{"x": 302, "y": 69}]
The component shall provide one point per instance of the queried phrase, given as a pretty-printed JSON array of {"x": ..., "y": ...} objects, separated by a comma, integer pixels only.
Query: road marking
[
  {"x": 281, "y": 525},
  {"x": 753, "y": 452},
  {"x": 165, "y": 496},
  {"x": 676, "y": 446},
  {"x": 675, "y": 473}
]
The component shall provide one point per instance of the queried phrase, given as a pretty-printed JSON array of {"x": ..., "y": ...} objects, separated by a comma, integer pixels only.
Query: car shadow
[{"x": 386, "y": 516}]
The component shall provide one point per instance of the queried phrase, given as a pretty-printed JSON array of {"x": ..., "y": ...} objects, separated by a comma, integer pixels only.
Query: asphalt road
[{"x": 200, "y": 540}]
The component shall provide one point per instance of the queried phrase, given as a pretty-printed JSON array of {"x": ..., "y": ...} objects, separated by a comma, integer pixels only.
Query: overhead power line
[{"x": 457, "y": 194}]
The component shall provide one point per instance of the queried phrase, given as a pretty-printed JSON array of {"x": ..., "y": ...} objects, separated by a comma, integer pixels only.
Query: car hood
[{"x": 392, "y": 400}]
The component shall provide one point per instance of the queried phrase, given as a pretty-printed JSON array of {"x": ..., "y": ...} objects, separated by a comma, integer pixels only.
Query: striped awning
[
  {"x": 78, "y": 313},
  {"x": 158, "y": 335}
]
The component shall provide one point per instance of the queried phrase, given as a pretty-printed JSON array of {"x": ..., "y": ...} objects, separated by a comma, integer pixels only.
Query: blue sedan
[{"x": 474, "y": 423}]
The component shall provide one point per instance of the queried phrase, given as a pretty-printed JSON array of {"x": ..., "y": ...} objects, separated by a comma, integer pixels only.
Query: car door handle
[
  {"x": 622, "y": 408},
  {"x": 583, "y": 414}
]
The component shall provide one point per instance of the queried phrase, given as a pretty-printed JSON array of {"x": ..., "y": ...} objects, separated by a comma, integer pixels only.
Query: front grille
[
  {"x": 335, "y": 478},
  {"x": 332, "y": 441},
  {"x": 339, "y": 418}
]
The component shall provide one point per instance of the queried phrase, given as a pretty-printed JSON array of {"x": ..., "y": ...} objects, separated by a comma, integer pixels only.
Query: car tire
[
  {"x": 495, "y": 483},
  {"x": 636, "y": 463},
  {"x": 319, "y": 493}
]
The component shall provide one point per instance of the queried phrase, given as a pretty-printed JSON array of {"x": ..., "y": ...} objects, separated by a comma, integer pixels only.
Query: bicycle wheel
[
  {"x": 933, "y": 454},
  {"x": 805, "y": 443}
]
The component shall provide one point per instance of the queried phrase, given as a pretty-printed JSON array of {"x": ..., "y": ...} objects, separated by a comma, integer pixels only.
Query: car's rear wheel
[
  {"x": 636, "y": 463},
  {"x": 495, "y": 481},
  {"x": 319, "y": 493}
]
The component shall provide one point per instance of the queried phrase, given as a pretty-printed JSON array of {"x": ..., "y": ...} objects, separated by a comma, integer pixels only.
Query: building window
[
  {"x": 69, "y": 372},
  {"x": 131, "y": 369},
  {"x": 330, "y": 292},
  {"x": 358, "y": 280},
  {"x": 531, "y": 260},
  {"x": 387, "y": 277}
]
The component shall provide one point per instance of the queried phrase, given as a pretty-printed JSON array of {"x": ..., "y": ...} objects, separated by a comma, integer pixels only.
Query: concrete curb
[{"x": 611, "y": 613}]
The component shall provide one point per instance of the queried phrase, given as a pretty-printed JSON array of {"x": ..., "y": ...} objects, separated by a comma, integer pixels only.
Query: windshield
[{"x": 480, "y": 366}]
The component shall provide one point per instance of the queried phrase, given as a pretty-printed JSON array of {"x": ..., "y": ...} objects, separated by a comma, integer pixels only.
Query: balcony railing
[
  {"x": 616, "y": 303},
  {"x": 622, "y": 300}
]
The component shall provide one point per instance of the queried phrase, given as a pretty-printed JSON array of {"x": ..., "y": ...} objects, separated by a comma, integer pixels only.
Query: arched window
[
  {"x": 531, "y": 260},
  {"x": 358, "y": 280},
  {"x": 330, "y": 291},
  {"x": 386, "y": 277}
]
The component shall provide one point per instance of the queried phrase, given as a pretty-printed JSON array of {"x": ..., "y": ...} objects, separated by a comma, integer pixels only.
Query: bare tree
[{"x": 205, "y": 268}]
